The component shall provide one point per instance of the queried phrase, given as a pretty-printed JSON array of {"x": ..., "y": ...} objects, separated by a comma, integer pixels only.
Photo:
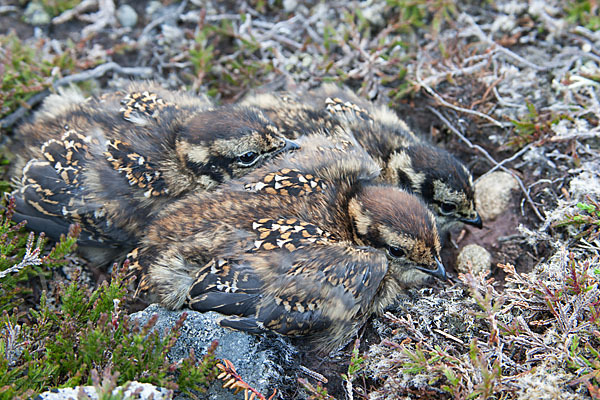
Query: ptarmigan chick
[
  {"x": 407, "y": 161},
  {"x": 307, "y": 245},
  {"x": 111, "y": 163}
]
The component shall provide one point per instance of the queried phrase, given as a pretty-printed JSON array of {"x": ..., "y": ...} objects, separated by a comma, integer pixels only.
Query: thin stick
[
  {"x": 97, "y": 72},
  {"x": 477, "y": 31},
  {"x": 20, "y": 112},
  {"x": 490, "y": 158},
  {"x": 506, "y": 160},
  {"x": 162, "y": 19},
  {"x": 441, "y": 100},
  {"x": 100, "y": 71}
]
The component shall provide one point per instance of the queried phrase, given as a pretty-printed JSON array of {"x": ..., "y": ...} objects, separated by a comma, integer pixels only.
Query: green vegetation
[
  {"x": 317, "y": 392},
  {"x": 22, "y": 259},
  {"x": 519, "y": 333},
  {"x": 587, "y": 219},
  {"x": 24, "y": 72},
  {"x": 57, "y": 7},
  {"x": 81, "y": 333},
  {"x": 414, "y": 14},
  {"x": 584, "y": 12},
  {"x": 225, "y": 62},
  {"x": 534, "y": 127},
  {"x": 356, "y": 365}
]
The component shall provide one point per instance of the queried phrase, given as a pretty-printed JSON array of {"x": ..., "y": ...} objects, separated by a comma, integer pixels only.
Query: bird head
[
  {"x": 442, "y": 181},
  {"x": 227, "y": 142},
  {"x": 401, "y": 225}
]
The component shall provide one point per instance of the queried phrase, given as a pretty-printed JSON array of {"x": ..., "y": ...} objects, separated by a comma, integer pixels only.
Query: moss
[
  {"x": 583, "y": 12},
  {"x": 57, "y": 7},
  {"x": 586, "y": 219},
  {"x": 430, "y": 14},
  {"x": 217, "y": 70}
]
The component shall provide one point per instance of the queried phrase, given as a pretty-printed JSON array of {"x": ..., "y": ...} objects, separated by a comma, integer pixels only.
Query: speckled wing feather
[
  {"x": 139, "y": 171},
  {"x": 320, "y": 290},
  {"x": 146, "y": 103},
  {"x": 346, "y": 110},
  {"x": 53, "y": 193},
  {"x": 287, "y": 233},
  {"x": 226, "y": 287},
  {"x": 326, "y": 160},
  {"x": 287, "y": 182},
  {"x": 229, "y": 285},
  {"x": 296, "y": 280}
]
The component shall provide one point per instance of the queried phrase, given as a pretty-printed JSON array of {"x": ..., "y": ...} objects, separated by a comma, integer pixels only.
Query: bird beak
[
  {"x": 290, "y": 145},
  {"x": 473, "y": 221},
  {"x": 439, "y": 272}
]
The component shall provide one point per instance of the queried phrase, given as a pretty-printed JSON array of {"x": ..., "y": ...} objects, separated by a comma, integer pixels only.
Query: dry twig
[
  {"x": 490, "y": 158},
  {"x": 443, "y": 102},
  {"x": 97, "y": 72}
]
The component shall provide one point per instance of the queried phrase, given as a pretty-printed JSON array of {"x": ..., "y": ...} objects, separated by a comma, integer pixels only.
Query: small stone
[
  {"x": 127, "y": 16},
  {"x": 289, "y": 5},
  {"x": 493, "y": 194},
  {"x": 35, "y": 14},
  {"x": 307, "y": 60},
  {"x": 504, "y": 23},
  {"x": 153, "y": 7},
  {"x": 587, "y": 182},
  {"x": 292, "y": 62},
  {"x": 172, "y": 34},
  {"x": 479, "y": 258}
]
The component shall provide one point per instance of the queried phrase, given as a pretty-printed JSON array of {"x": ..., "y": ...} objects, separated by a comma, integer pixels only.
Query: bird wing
[
  {"x": 139, "y": 171},
  {"x": 313, "y": 290},
  {"x": 142, "y": 102},
  {"x": 138, "y": 105},
  {"x": 296, "y": 287},
  {"x": 285, "y": 182},
  {"x": 231, "y": 288},
  {"x": 52, "y": 194}
]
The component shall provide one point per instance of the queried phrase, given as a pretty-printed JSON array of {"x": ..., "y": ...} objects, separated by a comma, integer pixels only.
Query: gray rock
[
  {"x": 289, "y": 5},
  {"x": 493, "y": 194},
  {"x": 133, "y": 390},
  {"x": 35, "y": 14},
  {"x": 479, "y": 258},
  {"x": 127, "y": 16},
  {"x": 256, "y": 358}
]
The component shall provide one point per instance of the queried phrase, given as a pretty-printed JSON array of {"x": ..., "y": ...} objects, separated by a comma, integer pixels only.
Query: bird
[
  {"x": 407, "y": 160},
  {"x": 308, "y": 245},
  {"x": 111, "y": 163},
  {"x": 139, "y": 102}
]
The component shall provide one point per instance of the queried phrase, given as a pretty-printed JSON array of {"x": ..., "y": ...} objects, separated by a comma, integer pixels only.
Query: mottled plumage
[
  {"x": 307, "y": 245},
  {"x": 406, "y": 160},
  {"x": 111, "y": 163}
]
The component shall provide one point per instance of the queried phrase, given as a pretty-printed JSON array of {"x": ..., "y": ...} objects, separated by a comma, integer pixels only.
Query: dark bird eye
[
  {"x": 395, "y": 251},
  {"x": 247, "y": 158},
  {"x": 448, "y": 208}
]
